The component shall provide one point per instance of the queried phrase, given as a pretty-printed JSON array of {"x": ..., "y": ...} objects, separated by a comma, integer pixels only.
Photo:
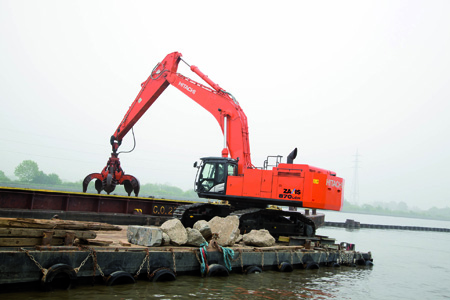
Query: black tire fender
[
  {"x": 217, "y": 270},
  {"x": 252, "y": 270},
  {"x": 163, "y": 274},
  {"x": 59, "y": 276},
  {"x": 119, "y": 277},
  {"x": 285, "y": 267},
  {"x": 309, "y": 230},
  {"x": 336, "y": 265},
  {"x": 312, "y": 266}
]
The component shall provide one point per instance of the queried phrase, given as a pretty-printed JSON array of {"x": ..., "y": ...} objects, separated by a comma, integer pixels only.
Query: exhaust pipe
[{"x": 292, "y": 156}]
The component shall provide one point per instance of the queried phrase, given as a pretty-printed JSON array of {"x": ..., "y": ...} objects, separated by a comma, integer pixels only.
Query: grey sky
[{"x": 329, "y": 77}]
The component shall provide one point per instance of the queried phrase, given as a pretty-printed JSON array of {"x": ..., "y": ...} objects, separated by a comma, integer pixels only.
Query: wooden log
[
  {"x": 276, "y": 248},
  {"x": 55, "y": 248},
  {"x": 56, "y": 224},
  {"x": 32, "y": 232},
  {"x": 99, "y": 242},
  {"x": 125, "y": 243}
]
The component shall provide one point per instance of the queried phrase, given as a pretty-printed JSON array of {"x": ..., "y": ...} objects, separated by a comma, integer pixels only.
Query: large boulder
[
  {"x": 195, "y": 238},
  {"x": 227, "y": 228},
  {"x": 239, "y": 239},
  {"x": 259, "y": 238},
  {"x": 148, "y": 236},
  {"x": 165, "y": 239},
  {"x": 204, "y": 228},
  {"x": 176, "y": 231}
]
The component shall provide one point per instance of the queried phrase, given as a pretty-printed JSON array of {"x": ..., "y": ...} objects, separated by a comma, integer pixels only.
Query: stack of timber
[{"x": 20, "y": 232}]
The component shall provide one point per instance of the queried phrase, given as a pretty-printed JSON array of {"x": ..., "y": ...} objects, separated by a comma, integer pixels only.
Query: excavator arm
[
  {"x": 151, "y": 89},
  {"x": 216, "y": 100},
  {"x": 225, "y": 109}
]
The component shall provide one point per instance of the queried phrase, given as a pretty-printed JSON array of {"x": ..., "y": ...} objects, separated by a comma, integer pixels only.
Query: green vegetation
[
  {"x": 28, "y": 171},
  {"x": 398, "y": 210},
  {"x": 3, "y": 177},
  {"x": 29, "y": 176},
  {"x": 164, "y": 190}
]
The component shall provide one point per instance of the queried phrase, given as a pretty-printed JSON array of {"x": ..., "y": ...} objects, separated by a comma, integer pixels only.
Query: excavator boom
[{"x": 151, "y": 89}]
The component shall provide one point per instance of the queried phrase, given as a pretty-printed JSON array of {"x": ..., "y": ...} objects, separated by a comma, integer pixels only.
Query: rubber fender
[
  {"x": 164, "y": 274},
  {"x": 252, "y": 270},
  {"x": 309, "y": 230},
  {"x": 59, "y": 276},
  {"x": 285, "y": 267},
  {"x": 217, "y": 270},
  {"x": 312, "y": 266},
  {"x": 369, "y": 263},
  {"x": 361, "y": 261},
  {"x": 120, "y": 277},
  {"x": 336, "y": 265}
]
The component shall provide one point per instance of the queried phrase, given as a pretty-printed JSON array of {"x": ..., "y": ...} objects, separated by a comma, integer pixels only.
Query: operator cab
[{"x": 212, "y": 175}]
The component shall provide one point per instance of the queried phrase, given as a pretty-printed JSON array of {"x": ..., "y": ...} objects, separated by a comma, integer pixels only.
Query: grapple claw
[
  {"x": 110, "y": 177},
  {"x": 131, "y": 185},
  {"x": 98, "y": 185},
  {"x": 86, "y": 181},
  {"x": 98, "y": 182}
]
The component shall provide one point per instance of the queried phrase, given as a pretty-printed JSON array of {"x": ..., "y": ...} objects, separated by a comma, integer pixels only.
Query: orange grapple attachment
[{"x": 111, "y": 176}]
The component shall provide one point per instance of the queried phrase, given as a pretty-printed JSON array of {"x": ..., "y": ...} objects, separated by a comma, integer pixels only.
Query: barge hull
[
  {"x": 27, "y": 265},
  {"x": 119, "y": 210}
]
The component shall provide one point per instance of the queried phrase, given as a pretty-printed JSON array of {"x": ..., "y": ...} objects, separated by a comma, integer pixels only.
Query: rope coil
[{"x": 228, "y": 257}]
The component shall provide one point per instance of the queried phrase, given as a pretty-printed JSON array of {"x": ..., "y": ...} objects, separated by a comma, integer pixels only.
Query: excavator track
[
  {"x": 191, "y": 213},
  {"x": 277, "y": 222}
]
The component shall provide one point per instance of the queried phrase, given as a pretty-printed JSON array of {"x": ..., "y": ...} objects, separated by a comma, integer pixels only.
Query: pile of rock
[{"x": 172, "y": 232}]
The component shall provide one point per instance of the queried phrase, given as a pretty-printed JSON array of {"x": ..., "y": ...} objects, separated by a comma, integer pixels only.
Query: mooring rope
[
  {"x": 228, "y": 255},
  {"x": 174, "y": 261},
  {"x": 203, "y": 254},
  {"x": 262, "y": 260},
  {"x": 299, "y": 258}
]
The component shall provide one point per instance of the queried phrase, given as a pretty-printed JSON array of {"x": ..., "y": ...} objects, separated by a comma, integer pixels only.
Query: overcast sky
[{"x": 329, "y": 77}]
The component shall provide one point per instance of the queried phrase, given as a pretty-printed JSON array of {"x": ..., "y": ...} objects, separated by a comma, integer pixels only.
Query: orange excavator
[{"x": 231, "y": 176}]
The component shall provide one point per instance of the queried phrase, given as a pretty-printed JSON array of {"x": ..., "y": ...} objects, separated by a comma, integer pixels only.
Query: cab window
[{"x": 232, "y": 170}]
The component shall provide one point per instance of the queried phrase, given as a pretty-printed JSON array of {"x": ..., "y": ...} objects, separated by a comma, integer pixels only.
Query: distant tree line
[
  {"x": 165, "y": 190},
  {"x": 401, "y": 210},
  {"x": 28, "y": 171},
  {"x": 30, "y": 176}
]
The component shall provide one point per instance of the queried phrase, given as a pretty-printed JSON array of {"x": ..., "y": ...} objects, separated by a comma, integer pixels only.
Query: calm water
[{"x": 408, "y": 265}]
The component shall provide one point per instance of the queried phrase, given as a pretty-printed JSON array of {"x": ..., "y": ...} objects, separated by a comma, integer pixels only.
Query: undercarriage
[{"x": 277, "y": 222}]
